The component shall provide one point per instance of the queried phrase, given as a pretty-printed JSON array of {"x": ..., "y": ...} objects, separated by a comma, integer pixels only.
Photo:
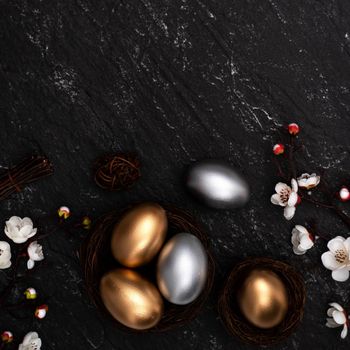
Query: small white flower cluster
[
  {"x": 287, "y": 196},
  {"x": 19, "y": 231},
  {"x": 337, "y": 259},
  {"x": 302, "y": 240},
  {"x": 337, "y": 317}
]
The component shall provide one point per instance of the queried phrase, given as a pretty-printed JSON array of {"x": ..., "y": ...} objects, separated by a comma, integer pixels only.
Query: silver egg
[
  {"x": 182, "y": 269},
  {"x": 217, "y": 184}
]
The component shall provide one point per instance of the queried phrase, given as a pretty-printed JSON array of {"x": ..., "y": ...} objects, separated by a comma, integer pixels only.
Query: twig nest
[
  {"x": 117, "y": 172},
  {"x": 291, "y": 292},
  {"x": 97, "y": 260}
]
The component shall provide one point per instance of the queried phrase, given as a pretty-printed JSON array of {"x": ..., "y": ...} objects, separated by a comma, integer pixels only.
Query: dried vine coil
[{"x": 117, "y": 172}]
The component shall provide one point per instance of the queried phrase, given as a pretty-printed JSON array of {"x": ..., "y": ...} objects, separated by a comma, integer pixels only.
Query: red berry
[
  {"x": 293, "y": 128},
  {"x": 278, "y": 149},
  {"x": 344, "y": 194}
]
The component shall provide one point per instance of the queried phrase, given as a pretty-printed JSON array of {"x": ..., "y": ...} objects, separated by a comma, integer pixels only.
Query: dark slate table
[{"x": 175, "y": 81}]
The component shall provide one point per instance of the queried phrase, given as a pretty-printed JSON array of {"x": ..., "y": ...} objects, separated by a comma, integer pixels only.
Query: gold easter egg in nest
[
  {"x": 131, "y": 299},
  {"x": 263, "y": 298},
  {"x": 139, "y": 235}
]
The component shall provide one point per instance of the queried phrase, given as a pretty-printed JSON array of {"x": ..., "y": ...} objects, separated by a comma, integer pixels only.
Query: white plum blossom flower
[
  {"x": 19, "y": 230},
  {"x": 31, "y": 342},
  {"x": 302, "y": 240},
  {"x": 337, "y": 258},
  {"x": 338, "y": 317},
  {"x": 286, "y": 197},
  {"x": 35, "y": 253},
  {"x": 5, "y": 255},
  {"x": 308, "y": 181}
]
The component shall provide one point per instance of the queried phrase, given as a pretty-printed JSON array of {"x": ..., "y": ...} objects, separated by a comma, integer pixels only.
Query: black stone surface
[{"x": 175, "y": 81}]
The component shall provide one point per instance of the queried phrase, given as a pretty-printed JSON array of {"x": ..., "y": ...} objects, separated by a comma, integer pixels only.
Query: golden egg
[
  {"x": 263, "y": 299},
  {"x": 139, "y": 235},
  {"x": 131, "y": 299}
]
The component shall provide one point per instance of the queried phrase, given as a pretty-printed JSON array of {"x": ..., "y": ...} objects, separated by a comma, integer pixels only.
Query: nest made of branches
[
  {"x": 236, "y": 323},
  {"x": 96, "y": 259},
  {"x": 115, "y": 172}
]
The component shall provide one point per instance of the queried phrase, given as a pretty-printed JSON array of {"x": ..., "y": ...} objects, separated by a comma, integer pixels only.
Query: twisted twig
[{"x": 29, "y": 170}]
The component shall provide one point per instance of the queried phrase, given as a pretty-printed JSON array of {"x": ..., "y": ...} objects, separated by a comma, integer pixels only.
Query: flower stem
[
  {"x": 292, "y": 165},
  {"x": 321, "y": 204},
  {"x": 279, "y": 168}
]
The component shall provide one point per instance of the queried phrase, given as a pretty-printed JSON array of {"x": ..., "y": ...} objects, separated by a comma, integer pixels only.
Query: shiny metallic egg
[
  {"x": 139, "y": 235},
  {"x": 217, "y": 184},
  {"x": 263, "y": 299},
  {"x": 131, "y": 299},
  {"x": 182, "y": 269}
]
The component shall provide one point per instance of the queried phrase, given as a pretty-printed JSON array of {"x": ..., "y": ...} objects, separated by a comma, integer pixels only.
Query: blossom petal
[
  {"x": 340, "y": 275},
  {"x": 8, "y": 231},
  {"x": 318, "y": 179},
  {"x": 330, "y": 311},
  {"x": 289, "y": 212},
  {"x": 302, "y": 183},
  {"x": 19, "y": 240},
  {"x": 337, "y": 306},
  {"x": 329, "y": 261},
  {"x": 29, "y": 337},
  {"x": 32, "y": 233},
  {"x": 30, "y": 264},
  {"x": 4, "y": 245},
  {"x": 331, "y": 323},
  {"x": 306, "y": 242},
  {"x": 276, "y": 199},
  {"x": 295, "y": 237},
  {"x": 293, "y": 199},
  {"x": 25, "y": 231},
  {"x": 335, "y": 244},
  {"x": 298, "y": 251},
  {"x": 281, "y": 186},
  {"x": 347, "y": 244},
  {"x": 27, "y": 221},
  {"x": 301, "y": 229},
  {"x": 339, "y": 317},
  {"x": 294, "y": 185},
  {"x": 6, "y": 265},
  {"x": 344, "y": 332},
  {"x": 14, "y": 221}
]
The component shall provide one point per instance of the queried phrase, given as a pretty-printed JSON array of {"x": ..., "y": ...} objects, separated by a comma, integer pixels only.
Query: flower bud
[
  {"x": 6, "y": 337},
  {"x": 41, "y": 311},
  {"x": 30, "y": 293},
  {"x": 344, "y": 194},
  {"x": 63, "y": 212},
  {"x": 293, "y": 128},
  {"x": 278, "y": 149},
  {"x": 86, "y": 222}
]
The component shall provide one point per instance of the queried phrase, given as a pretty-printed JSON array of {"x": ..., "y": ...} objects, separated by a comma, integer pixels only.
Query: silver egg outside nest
[{"x": 217, "y": 184}]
